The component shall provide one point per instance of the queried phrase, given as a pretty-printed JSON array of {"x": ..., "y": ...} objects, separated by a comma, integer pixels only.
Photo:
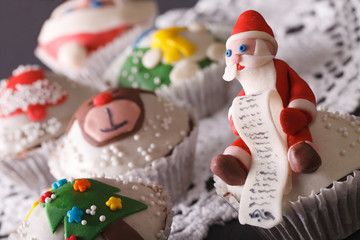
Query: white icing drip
[{"x": 30, "y": 132}]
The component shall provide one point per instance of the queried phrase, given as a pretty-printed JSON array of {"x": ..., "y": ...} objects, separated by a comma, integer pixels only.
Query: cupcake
[
  {"x": 35, "y": 108},
  {"x": 129, "y": 132},
  {"x": 322, "y": 204},
  {"x": 294, "y": 171},
  {"x": 98, "y": 209},
  {"x": 184, "y": 63},
  {"x": 81, "y": 37}
]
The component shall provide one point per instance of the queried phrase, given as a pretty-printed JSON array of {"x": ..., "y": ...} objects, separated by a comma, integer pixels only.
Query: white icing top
[
  {"x": 165, "y": 125},
  {"x": 18, "y": 133},
  {"x": 337, "y": 138},
  {"x": 152, "y": 223}
]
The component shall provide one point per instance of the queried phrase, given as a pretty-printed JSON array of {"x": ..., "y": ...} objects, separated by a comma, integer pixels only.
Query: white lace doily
[{"x": 320, "y": 39}]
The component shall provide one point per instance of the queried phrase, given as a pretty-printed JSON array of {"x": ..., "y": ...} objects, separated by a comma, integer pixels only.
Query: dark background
[{"x": 20, "y": 23}]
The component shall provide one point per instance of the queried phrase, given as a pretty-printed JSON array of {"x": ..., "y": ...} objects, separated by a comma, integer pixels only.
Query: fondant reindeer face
[{"x": 110, "y": 116}]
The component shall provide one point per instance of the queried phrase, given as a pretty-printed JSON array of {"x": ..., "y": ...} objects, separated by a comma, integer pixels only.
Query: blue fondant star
[
  {"x": 59, "y": 183},
  {"x": 75, "y": 214}
]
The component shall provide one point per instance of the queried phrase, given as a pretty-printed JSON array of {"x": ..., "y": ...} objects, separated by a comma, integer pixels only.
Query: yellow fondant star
[
  {"x": 114, "y": 203},
  {"x": 172, "y": 45}
]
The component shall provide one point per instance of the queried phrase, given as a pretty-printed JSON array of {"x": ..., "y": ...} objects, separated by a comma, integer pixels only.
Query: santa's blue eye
[
  {"x": 242, "y": 48},
  {"x": 96, "y": 3},
  {"x": 228, "y": 53}
]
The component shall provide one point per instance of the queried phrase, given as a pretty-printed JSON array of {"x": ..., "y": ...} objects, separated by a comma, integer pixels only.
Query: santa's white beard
[{"x": 247, "y": 61}]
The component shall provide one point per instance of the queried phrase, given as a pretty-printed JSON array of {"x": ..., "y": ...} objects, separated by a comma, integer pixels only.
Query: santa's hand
[{"x": 293, "y": 120}]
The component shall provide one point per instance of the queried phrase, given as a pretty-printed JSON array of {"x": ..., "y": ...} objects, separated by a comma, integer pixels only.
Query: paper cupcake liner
[
  {"x": 175, "y": 171},
  {"x": 333, "y": 213},
  {"x": 92, "y": 73},
  {"x": 206, "y": 92},
  {"x": 29, "y": 169}
]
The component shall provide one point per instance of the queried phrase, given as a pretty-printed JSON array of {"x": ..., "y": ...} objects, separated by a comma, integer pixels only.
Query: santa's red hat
[{"x": 251, "y": 24}]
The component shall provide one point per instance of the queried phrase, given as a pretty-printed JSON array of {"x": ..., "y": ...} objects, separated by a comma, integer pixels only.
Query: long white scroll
[{"x": 256, "y": 118}]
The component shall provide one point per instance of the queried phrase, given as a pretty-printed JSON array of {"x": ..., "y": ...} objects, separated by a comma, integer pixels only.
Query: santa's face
[{"x": 246, "y": 53}]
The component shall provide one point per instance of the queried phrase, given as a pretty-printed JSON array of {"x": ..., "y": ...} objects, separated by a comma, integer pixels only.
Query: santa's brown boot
[
  {"x": 229, "y": 169},
  {"x": 303, "y": 158}
]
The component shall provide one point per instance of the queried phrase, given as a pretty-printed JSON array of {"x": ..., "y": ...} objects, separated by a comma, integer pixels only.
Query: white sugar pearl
[
  {"x": 88, "y": 211},
  {"x": 53, "y": 196},
  {"x": 136, "y": 137},
  {"x": 134, "y": 187},
  {"x": 342, "y": 153},
  {"x": 157, "y": 80},
  {"x": 93, "y": 207},
  {"x": 83, "y": 222},
  {"x": 102, "y": 218},
  {"x": 47, "y": 200}
]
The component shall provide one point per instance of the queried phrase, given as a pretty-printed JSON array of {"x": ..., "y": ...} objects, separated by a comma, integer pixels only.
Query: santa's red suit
[{"x": 294, "y": 93}]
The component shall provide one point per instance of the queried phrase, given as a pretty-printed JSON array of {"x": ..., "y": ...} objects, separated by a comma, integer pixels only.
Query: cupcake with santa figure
[
  {"x": 35, "y": 108},
  {"x": 293, "y": 173},
  {"x": 81, "y": 37}
]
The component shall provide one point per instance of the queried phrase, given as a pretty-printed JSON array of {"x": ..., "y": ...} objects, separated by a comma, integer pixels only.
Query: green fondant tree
[
  {"x": 98, "y": 195},
  {"x": 145, "y": 77}
]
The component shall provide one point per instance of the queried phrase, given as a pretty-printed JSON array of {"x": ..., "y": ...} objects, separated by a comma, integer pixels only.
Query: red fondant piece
[
  {"x": 102, "y": 99},
  {"x": 251, "y": 21},
  {"x": 239, "y": 67},
  {"x": 92, "y": 41},
  {"x": 27, "y": 77},
  {"x": 44, "y": 196},
  {"x": 72, "y": 238},
  {"x": 36, "y": 112},
  {"x": 232, "y": 126},
  {"x": 292, "y": 120}
]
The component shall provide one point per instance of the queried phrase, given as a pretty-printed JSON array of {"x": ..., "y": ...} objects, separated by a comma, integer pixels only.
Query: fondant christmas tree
[{"x": 86, "y": 207}]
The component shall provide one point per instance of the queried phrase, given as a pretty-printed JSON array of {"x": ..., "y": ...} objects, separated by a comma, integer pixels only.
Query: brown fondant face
[
  {"x": 113, "y": 119},
  {"x": 107, "y": 121}
]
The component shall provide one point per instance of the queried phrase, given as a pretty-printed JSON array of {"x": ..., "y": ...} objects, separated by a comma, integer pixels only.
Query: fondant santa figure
[{"x": 251, "y": 49}]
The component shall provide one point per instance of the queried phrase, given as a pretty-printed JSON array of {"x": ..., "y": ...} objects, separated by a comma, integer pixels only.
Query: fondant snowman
[{"x": 250, "y": 54}]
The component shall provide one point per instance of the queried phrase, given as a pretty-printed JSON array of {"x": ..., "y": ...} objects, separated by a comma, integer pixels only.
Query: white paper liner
[
  {"x": 92, "y": 73},
  {"x": 206, "y": 92},
  {"x": 333, "y": 213},
  {"x": 29, "y": 169}
]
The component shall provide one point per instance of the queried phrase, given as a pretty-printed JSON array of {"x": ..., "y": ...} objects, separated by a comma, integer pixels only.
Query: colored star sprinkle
[
  {"x": 114, "y": 203},
  {"x": 71, "y": 238},
  {"x": 59, "y": 183},
  {"x": 44, "y": 196},
  {"x": 75, "y": 214},
  {"x": 82, "y": 185}
]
